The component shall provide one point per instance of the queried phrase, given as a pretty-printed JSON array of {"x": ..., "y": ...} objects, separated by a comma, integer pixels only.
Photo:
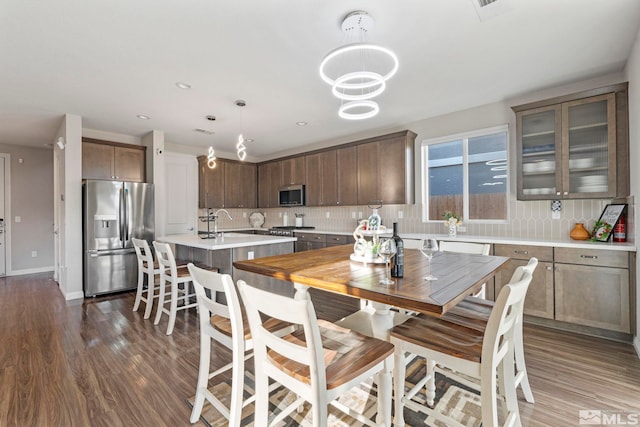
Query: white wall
[
  {"x": 70, "y": 227},
  {"x": 633, "y": 75}
]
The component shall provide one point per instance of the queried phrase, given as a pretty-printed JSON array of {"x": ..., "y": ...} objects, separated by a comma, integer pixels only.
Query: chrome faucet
[{"x": 214, "y": 216}]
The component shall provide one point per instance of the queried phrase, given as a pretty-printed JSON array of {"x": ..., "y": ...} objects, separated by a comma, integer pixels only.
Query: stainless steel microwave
[{"x": 291, "y": 195}]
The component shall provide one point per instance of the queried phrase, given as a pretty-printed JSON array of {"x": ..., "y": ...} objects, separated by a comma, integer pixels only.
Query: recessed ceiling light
[
  {"x": 301, "y": 123},
  {"x": 142, "y": 117},
  {"x": 250, "y": 140},
  {"x": 183, "y": 85}
]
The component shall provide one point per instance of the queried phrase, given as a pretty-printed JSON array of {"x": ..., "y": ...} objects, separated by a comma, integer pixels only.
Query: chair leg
[
  {"x": 173, "y": 308},
  {"x": 151, "y": 292},
  {"x": 488, "y": 394},
  {"x": 431, "y": 381},
  {"x": 521, "y": 367},
  {"x": 136, "y": 304},
  {"x": 385, "y": 387},
  {"x": 237, "y": 387},
  {"x": 508, "y": 386},
  {"x": 262, "y": 396},
  {"x": 161, "y": 297},
  {"x": 203, "y": 377},
  {"x": 399, "y": 374}
]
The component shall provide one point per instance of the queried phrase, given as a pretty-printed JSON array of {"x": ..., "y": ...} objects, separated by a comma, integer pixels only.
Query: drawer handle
[
  {"x": 336, "y": 239},
  {"x": 521, "y": 252},
  {"x": 317, "y": 238},
  {"x": 589, "y": 256}
]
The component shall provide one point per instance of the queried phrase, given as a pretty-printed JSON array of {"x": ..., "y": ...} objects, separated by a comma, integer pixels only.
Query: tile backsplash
[{"x": 528, "y": 219}]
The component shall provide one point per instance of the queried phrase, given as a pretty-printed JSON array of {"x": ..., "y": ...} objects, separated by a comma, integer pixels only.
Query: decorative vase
[
  {"x": 579, "y": 232},
  {"x": 453, "y": 230}
]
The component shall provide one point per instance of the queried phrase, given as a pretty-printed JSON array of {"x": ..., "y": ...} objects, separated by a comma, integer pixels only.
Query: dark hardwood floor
[{"x": 97, "y": 362}]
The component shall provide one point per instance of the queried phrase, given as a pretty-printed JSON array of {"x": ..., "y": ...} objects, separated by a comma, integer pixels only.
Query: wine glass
[
  {"x": 428, "y": 247},
  {"x": 387, "y": 250}
]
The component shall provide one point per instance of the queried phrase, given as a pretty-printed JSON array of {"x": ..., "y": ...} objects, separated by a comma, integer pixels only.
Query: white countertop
[
  {"x": 463, "y": 237},
  {"x": 228, "y": 240}
]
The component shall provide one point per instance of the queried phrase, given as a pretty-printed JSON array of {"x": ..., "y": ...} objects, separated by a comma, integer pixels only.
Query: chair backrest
[
  {"x": 298, "y": 312},
  {"x": 166, "y": 260},
  {"x": 214, "y": 282},
  {"x": 498, "y": 338},
  {"x": 143, "y": 251},
  {"x": 465, "y": 247}
]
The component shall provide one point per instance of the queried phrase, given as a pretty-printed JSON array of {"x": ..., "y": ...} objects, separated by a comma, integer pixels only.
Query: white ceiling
[{"x": 108, "y": 61}]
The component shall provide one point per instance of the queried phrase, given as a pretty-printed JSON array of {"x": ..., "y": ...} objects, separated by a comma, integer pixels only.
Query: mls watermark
[{"x": 611, "y": 418}]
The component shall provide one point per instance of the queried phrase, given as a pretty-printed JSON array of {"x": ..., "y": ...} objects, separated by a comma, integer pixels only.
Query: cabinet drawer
[
  {"x": 593, "y": 257},
  {"x": 338, "y": 239},
  {"x": 543, "y": 253},
  {"x": 310, "y": 237}
]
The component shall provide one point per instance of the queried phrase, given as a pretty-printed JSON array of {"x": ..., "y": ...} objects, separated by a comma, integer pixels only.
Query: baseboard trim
[
  {"x": 30, "y": 271},
  {"x": 636, "y": 344},
  {"x": 73, "y": 295}
]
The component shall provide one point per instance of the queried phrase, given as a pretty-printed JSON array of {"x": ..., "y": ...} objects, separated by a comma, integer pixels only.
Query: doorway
[
  {"x": 5, "y": 162},
  {"x": 181, "y": 180}
]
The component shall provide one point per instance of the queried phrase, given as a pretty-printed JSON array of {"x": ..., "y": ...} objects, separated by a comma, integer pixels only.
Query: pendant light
[
  {"x": 358, "y": 71},
  {"x": 240, "y": 147}
]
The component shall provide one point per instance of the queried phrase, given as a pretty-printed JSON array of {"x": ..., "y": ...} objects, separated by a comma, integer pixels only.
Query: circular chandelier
[{"x": 358, "y": 71}]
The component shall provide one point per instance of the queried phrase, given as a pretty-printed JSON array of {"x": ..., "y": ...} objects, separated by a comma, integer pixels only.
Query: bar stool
[
  {"x": 483, "y": 355},
  {"x": 175, "y": 278},
  {"x": 225, "y": 324},
  {"x": 319, "y": 361},
  {"x": 475, "y": 312},
  {"x": 146, "y": 266}
]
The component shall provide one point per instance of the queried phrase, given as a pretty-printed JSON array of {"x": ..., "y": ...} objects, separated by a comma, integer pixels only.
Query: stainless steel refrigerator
[{"x": 114, "y": 213}]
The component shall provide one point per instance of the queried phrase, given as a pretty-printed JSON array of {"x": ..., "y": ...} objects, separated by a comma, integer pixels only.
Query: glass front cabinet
[{"x": 574, "y": 147}]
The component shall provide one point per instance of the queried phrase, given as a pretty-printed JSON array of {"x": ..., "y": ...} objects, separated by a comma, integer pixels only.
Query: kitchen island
[{"x": 227, "y": 248}]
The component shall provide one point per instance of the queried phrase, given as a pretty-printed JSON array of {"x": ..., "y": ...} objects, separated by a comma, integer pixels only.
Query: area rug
[{"x": 452, "y": 399}]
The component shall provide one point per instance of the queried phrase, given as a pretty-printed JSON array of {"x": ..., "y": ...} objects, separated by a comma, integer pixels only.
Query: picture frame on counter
[{"x": 603, "y": 227}]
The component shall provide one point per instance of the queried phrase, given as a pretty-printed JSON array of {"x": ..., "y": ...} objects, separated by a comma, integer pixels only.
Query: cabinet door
[
  {"x": 367, "y": 173},
  {"x": 264, "y": 185},
  {"x": 97, "y": 161},
  {"x": 539, "y": 153},
  {"x": 293, "y": 171},
  {"x": 211, "y": 184},
  {"x": 539, "y": 300},
  {"x": 392, "y": 170},
  {"x": 313, "y": 180},
  {"x": 239, "y": 185},
  {"x": 589, "y": 135},
  {"x": 593, "y": 296},
  {"x": 129, "y": 164},
  {"x": 347, "y": 176}
]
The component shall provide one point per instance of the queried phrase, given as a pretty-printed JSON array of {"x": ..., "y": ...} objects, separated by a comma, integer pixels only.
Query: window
[{"x": 466, "y": 174}]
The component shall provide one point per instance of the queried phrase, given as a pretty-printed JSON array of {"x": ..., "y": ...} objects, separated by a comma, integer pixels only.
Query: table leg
[{"x": 381, "y": 321}]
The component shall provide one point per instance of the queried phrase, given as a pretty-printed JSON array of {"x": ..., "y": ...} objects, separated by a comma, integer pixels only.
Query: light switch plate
[{"x": 18, "y": 219}]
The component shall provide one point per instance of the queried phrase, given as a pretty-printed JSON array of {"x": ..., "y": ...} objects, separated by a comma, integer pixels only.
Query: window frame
[{"x": 464, "y": 136}]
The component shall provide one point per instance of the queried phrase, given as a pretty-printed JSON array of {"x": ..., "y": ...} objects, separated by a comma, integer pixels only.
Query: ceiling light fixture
[
  {"x": 182, "y": 85},
  {"x": 211, "y": 158},
  {"x": 242, "y": 150},
  {"x": 301, "y": 123},
  {"x": 358, "y": 71},
  {"x": 143, "y": 117}
]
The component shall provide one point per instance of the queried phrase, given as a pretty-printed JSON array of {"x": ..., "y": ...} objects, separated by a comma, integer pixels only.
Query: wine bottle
[{"x": 398, "y": 259}]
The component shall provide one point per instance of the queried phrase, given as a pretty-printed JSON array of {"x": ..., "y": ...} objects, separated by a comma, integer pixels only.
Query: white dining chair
[
  {"x": 475, "y": 312},
  {"x": 224, "y": 324},
  {"x": 149, "y": 269},
  {"x": 485, "y": 355},
  {"x": 177, "y": 280},
  {"x": 318, "y": 362}
]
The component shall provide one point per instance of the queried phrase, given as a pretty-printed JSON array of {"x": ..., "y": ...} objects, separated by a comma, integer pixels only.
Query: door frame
[{"x": 7, "y": 213}]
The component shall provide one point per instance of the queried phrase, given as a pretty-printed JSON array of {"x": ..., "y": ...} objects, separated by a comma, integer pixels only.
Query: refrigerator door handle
[
  {"x": 121, "y": 212},
  {"x": 95, "y": 254},
  {"x": 127, "y": 222}
]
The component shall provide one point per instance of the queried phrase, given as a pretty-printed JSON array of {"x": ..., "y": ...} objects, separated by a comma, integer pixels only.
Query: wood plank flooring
[{"x": 98, "y": 363}]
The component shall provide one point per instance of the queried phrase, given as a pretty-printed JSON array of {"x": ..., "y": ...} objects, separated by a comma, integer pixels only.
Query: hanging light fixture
[
  {"x": 211, "y": 158},
  {"x": 240, "y": 147},
  {"x": 358, "y": 71}
]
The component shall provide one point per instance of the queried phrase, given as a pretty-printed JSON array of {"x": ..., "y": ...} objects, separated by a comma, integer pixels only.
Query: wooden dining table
[{"x": 331, "y": 269}]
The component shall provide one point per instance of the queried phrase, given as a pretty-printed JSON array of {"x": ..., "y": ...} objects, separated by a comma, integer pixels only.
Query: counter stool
[
  {"x": 146, "y": 266},
  {"x": 227, "y": 325},
  {"x": 483, "y": 355},
  {"x": 319, "y": 361},
  {"x": 175, "y": 278},
  {"x": 475, "y": 312}
]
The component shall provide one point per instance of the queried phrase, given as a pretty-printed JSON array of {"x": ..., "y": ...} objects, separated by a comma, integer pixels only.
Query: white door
[{"x": 181, "y": 175}]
